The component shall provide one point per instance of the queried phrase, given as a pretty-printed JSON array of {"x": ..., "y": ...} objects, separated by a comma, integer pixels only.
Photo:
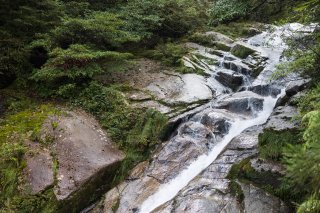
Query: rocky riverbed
[{"x": 189, "y": 173}]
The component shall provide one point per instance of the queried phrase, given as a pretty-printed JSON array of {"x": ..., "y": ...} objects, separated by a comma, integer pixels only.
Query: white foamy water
[
  {"x": 271, "y": 44},
  {"x": 169, "y": 190}
]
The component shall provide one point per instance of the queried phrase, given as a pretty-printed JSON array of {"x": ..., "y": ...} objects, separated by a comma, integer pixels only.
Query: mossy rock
[
  {"x": 241, "y": 51},
  {"x": 222, "y": 46},
  {"x": 266, "y": 180},
  {"x": 201, "y": 39},
  {"x": 209, "y": 41}
]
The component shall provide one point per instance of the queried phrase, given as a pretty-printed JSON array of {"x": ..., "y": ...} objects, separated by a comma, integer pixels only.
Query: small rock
[{"x": 230, "y": 79}]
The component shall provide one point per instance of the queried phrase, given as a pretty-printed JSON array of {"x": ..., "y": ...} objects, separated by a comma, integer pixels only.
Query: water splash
[{"x": 169, "y": 190}]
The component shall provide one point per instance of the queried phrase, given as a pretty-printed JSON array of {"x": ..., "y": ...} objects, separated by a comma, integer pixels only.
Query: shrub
[
  {"x": 74, "y": 66},
  {"x": 171, "y": 18},
  {"x": 223, "y": 11},
  {"x": 101, "y": 30},
  {"x": 302, "y": 161},
  {"x": 169, "y": 53},
  {"x": 271, "y": 143}
]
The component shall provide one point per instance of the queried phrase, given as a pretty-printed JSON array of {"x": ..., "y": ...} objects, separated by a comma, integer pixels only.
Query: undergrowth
[
  {"x": 135, "y": 131},
  {"x": 272, "y": 143},
  {"x": 23, "y": 122}
]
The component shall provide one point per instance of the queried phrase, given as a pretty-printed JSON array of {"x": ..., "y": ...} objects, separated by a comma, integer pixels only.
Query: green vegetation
[
  {"x": 227, "y": 10},
  {"x": 302, "y": 160},
  {"x": 169, "y": 53},
  {"x": 241, "y": 51},
  {"x": 135, "y": 131},
  {"x": 266, "y": 180},
  {"x": 208, "y": 41},
  {"x": 271, "y": 143},
  {"x": 15, "y": 130},
  {"x": 239, "y": 29},
  {"x": 53, "y": 50}
]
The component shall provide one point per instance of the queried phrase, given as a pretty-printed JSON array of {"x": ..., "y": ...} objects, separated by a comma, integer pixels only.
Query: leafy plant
[
  {"x": 223, "y": 11},
  {"x": 171, "y": 18},
  {"x": 169, "y": 53}
]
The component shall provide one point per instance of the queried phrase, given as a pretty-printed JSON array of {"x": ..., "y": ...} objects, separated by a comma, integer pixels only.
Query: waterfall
[{"x": 270, "y": 45}]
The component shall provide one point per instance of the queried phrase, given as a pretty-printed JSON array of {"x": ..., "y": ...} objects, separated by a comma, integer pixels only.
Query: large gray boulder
[{"x": 76, "y": 160}]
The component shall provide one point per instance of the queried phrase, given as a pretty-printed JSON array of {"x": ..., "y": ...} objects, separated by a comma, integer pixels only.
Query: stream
[{"x": 184, "y": 171}]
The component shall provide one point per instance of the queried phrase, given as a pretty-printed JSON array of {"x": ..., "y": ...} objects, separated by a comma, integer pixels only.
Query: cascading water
[
  {"x": 170, "y": 190},
  {"x": 271, "y": 46}
]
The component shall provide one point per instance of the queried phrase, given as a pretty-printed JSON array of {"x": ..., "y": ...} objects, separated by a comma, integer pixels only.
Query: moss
[
  {"x": 17, "y": 128},
  {"x": 208, "y": 41},
  {"x": 257, "y": 70},
  {"x": 266, "y": 180},
  {"x": 201, "y": 39},
  {"x": 236, "y": 190},
  {"x": 222, "y": 46},
  {"x": 241, "y": 51},
  {"x": 271, "y": 143}
]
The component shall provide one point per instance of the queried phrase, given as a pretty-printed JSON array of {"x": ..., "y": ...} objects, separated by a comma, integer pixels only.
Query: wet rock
[
  {"x": 230, "y": 79},
  {"x": 209, "y": 192},
  {"x": 216, "y": 122},
  {"x": 248, "y": 140},
  {"x": 245, "y": 102},
  {"x": 180, "y": 152},
  {"x": 282, "y": 119},
  {"x": 264, "y": 90},
  {"x": 113, "y": 198},
  {"x": 133, "y": 193},
  {"x": 262, "y": 165},
  {"x": 237, "y": 67},
  {"x": 190, "y": 204},
  {"x": 258, "y": 201},
  {"x": 253, "y": 31}
]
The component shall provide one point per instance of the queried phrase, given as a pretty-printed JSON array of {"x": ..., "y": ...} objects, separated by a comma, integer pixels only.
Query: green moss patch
[
  {"x": 241, "y": 51},
  {"x": 266, "y": 180},
  {"x": 14, "y": 130}
]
